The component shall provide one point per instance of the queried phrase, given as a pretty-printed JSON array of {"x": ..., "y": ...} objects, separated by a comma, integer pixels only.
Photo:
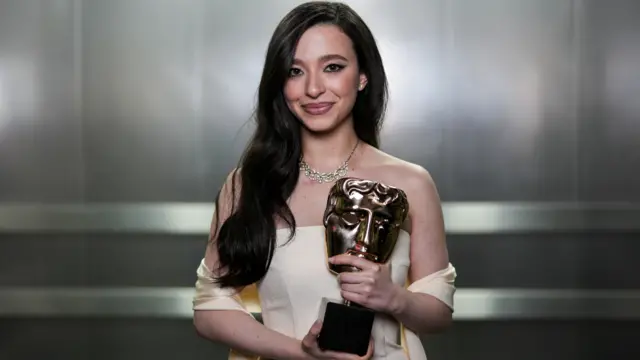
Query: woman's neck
[{"x": 327, "y": 152}]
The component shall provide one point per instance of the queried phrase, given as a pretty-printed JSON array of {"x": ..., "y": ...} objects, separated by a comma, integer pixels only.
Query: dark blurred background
[{"x": 120, "y": 118}]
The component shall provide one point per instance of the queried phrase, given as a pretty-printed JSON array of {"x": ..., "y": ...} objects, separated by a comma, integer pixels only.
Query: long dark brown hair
[{"x": 269, "y": 168}]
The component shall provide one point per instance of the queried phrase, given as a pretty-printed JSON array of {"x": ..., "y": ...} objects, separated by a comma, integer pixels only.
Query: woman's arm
[
  {"x": 422, "y": 313},
  {"x": 244, "y": 334},
  {"x": 418, "y": 310},
  {"x": 222, "y": 318}
]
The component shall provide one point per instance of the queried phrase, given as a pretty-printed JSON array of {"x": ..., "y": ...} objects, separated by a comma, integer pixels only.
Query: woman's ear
[{"x": 363, "y": 82}]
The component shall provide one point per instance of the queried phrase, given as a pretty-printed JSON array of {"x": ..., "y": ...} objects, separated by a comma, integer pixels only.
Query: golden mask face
[{"x": 363, "y": 218}]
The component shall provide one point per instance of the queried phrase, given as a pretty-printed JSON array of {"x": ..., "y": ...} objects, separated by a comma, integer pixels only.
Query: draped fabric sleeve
[
  {"x": 440, "y": 285},
  {"x": 209, "y": 296}
]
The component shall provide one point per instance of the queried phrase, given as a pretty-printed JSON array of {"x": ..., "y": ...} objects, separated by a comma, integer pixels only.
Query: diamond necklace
[{"x": 328, "y": 176}]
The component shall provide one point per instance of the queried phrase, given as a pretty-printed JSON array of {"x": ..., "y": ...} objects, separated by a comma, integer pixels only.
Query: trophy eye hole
[
  {"x": 383, "y": 224},
  {"x": 350, "y": 218}
]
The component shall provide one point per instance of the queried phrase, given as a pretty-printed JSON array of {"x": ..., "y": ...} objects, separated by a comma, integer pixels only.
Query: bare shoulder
[
  {"x": 233, "y": 178},
  {"x": 410, "y": 177},
  {"x": 230, "y": 190}
]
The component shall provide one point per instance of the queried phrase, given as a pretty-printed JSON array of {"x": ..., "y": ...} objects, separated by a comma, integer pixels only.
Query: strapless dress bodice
[{"x": 298, "y": 283}]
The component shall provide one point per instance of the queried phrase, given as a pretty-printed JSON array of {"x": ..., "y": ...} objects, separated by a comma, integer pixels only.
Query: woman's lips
[{"x": 317, "y": 108}]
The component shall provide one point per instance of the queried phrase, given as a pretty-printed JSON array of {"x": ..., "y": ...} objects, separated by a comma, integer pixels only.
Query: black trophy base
[{"x": 346, "y": 329}]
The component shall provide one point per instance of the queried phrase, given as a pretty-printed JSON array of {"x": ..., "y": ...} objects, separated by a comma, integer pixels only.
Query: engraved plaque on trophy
[{"x": 363, "y": 218}]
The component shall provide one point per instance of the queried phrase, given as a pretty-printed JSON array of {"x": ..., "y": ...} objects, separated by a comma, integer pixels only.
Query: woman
[{"x": 320, "y": 106}]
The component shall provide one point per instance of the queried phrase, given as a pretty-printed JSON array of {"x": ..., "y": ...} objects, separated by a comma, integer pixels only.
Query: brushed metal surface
[
  {"x": 511, "y": 80},
  {"x": 148, "y": 101},
  {"x": 609, "y": 155},
  {"x": 40, "y": 124},
  {"x": 175, "y": 218},
  {"x": 83, "y": 302},
  {"x": 529, "y": 304},
  {"x": 143, "y": 97},
  {"x": 576, "y": 260},
  {"x": 471, "y": 304},
  {"x": 195, "y": 218}
]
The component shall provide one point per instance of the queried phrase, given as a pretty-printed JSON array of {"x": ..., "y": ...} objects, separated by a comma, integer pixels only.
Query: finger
[
  {"x": 333, "y": 355},
  {"x": 315, "y": 328},
  {"x": 363, "y": 264},
  {"x": 354, "y": 297},
  {"x": 369, "y": 350},
  {"x": 310, "y": 340},
  {"x": 354, "y": 278},
  {"x": 354, "y": 288}
]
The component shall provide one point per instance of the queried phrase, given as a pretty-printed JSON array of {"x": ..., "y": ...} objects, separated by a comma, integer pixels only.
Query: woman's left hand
[{"x": 371, "y": 287}]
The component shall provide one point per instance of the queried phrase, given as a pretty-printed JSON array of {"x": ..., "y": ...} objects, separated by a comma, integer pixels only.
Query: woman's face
[{"x": 324, "y": 80}]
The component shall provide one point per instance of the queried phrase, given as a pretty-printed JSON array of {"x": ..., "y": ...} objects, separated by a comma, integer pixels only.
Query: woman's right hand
[{"x": 310, "y": 347}]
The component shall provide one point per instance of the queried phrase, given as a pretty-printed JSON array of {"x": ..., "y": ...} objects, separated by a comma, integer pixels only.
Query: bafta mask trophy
[{"x": 363, "y": 218}]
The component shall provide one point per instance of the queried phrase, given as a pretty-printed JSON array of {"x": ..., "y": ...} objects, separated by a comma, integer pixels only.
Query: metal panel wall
[
  {"x": 608, "y": 157},
  {"x": 143, "y": 96},
  {"x": 119, "y": 120},
  {"x": 40, "y": 126},
  {"x": 511, "y": 133}
]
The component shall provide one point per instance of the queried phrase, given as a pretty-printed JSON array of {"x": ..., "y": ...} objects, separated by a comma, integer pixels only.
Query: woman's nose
[{"x": 315, "y": 87}]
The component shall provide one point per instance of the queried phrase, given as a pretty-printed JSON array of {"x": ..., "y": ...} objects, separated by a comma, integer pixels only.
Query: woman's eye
[
  {"x": 294, "y": 72},
  {"x": 334, "y": 68}
]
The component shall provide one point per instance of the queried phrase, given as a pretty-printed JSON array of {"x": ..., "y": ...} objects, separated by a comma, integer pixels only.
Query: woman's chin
[{"x": 320, "y": 126}]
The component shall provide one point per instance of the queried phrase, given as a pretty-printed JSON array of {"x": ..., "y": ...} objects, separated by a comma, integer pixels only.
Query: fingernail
[{"x": 331, "y": 259}]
